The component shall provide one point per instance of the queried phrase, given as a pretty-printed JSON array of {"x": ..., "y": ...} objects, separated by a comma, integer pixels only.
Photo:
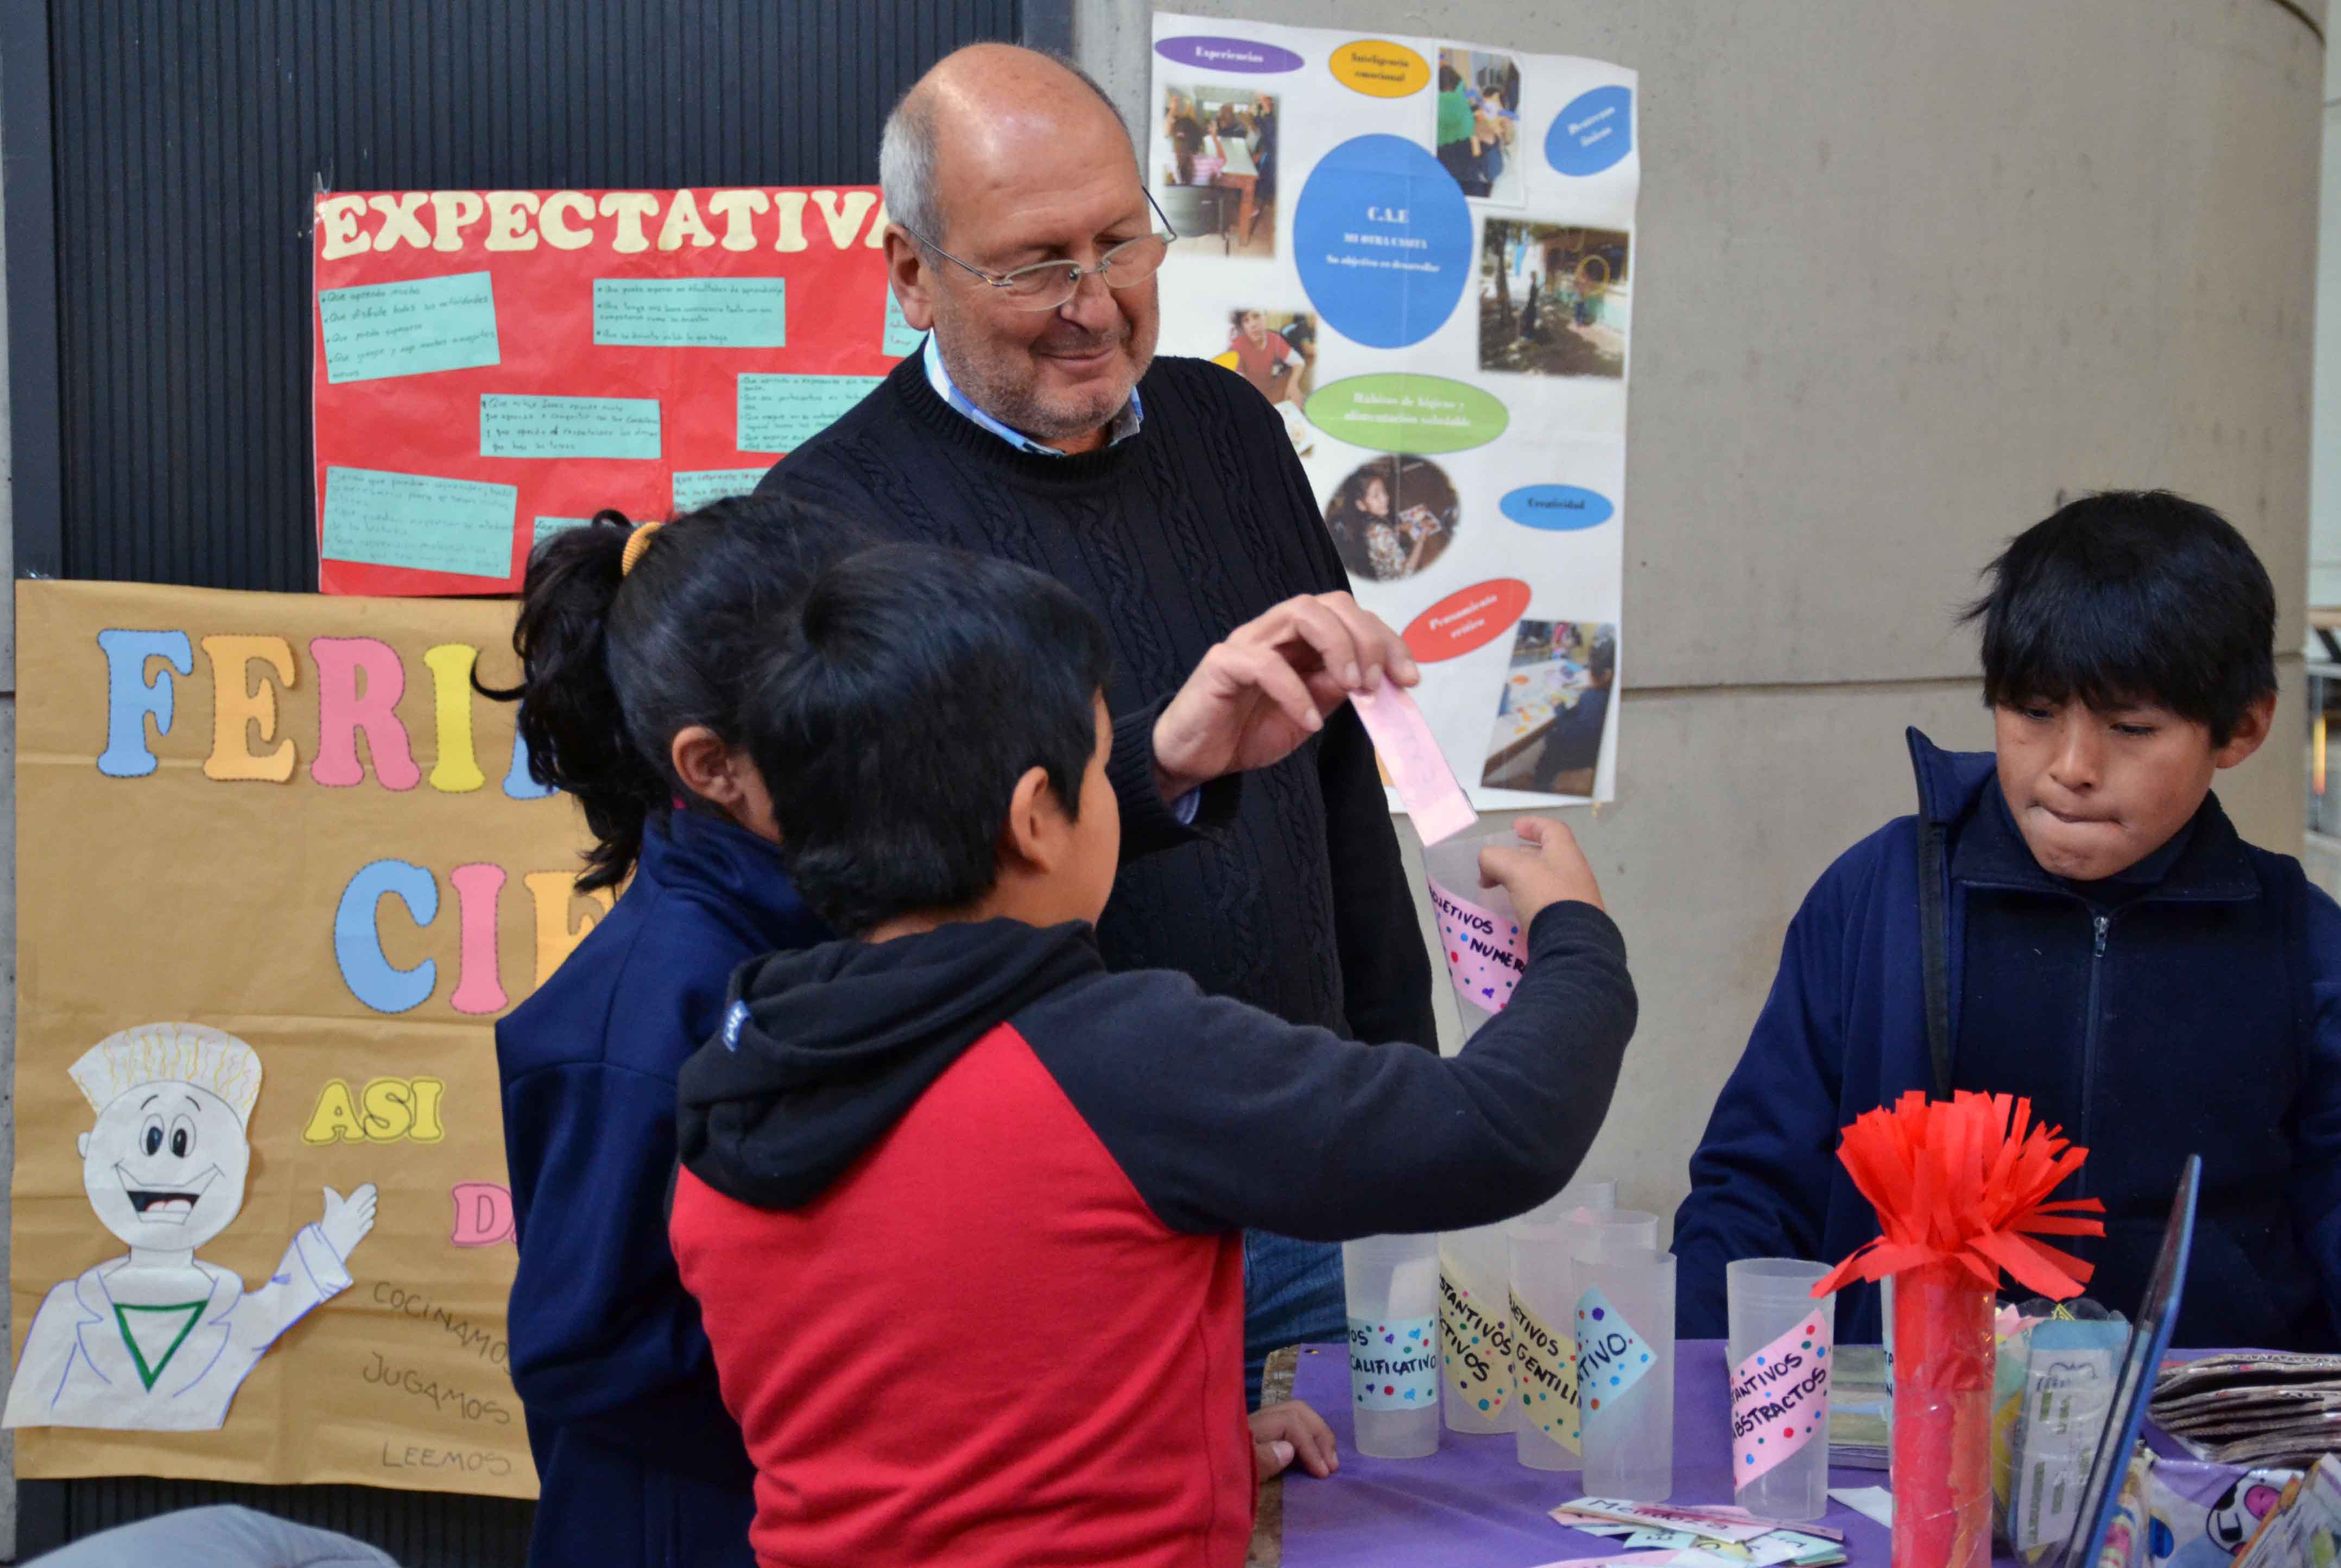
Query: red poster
[{"x": 492, "y": 366}]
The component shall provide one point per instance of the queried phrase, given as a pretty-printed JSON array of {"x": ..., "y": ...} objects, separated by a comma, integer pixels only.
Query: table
[{"x": 1473, "y": 1506}]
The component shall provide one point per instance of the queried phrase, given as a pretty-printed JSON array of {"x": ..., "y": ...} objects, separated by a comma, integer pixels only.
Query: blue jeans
[{"x": 1292, "y": 1295}]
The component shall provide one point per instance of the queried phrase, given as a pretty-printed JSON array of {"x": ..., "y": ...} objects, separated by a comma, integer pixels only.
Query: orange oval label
[
  {"x": 1471, "y": 619},
  {"x": 1379, "y": 68}
]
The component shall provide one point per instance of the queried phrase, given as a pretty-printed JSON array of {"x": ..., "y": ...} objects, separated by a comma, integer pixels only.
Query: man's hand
[
  {"x": 1280, "y": 1432},
  {"x": 1548, "y": 868},
  {"x": 347, "y": 1220},
  {"x": 1257, "y": 696}
]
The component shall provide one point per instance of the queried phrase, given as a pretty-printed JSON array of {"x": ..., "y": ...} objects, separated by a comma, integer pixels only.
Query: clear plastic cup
[
  {"x": 1625, "y": 1369},
  {"x": 1391, "y": 1283},
  {"x": 1774, "y": 1315},
  {"x": 1544, "y": 1346},
  {"x": 1466, "y": 948},
  {"x": 1475, "y": 1332}
]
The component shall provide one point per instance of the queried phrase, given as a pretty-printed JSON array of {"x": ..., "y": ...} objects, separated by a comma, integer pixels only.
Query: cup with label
[
  {"x": 1625, "y": 1324},
  {"x": 1544, "y": 1303},
  {"x": 1778, "y": 1359},
  {"x": 1391, "y": 1283},
  {"x": 1475, "y": 1332},
  {"x": 1480, "y": 940}
]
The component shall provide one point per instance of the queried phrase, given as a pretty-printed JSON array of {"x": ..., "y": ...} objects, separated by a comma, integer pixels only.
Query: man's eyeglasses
[{"x": 1046, "y": 285}]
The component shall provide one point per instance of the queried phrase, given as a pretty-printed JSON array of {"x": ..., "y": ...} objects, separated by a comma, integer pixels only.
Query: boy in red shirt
[{"x": 962, "y": 1211}]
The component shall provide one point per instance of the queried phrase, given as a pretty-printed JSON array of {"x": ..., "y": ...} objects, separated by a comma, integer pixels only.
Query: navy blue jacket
[
  {"x": 2164, "y": 1056},
  {"x": 639, "y": 1462}
]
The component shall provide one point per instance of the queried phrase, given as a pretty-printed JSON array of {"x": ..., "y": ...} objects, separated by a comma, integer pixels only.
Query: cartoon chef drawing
[{"x": 159, "y": 1339}]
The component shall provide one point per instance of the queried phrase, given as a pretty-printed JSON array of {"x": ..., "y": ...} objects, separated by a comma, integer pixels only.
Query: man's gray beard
[{"x": 1019, "y": 409}]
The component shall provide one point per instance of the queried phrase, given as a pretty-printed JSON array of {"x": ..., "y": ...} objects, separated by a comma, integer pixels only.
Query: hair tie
[{"x": 636, "y": 543}]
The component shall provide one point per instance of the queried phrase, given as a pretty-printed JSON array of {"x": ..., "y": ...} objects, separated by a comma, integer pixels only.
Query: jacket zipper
[{"x": 2089, "y": 1045}]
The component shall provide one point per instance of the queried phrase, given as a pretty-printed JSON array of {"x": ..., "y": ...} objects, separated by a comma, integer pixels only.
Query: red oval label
[{"x": 1471, "y": 619}]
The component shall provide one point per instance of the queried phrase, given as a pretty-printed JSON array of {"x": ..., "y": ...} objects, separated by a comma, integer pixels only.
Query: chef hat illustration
[{"x": 170, "y": 1053}]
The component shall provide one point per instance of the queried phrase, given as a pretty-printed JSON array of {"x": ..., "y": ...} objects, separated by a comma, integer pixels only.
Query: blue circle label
[
  {"x": 1594, "y": 132},
  {"x": 1556, "y": 508},
  {"x": 1382, "y": 238}
]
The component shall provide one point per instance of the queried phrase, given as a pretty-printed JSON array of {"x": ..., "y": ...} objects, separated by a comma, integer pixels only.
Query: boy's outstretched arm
[
  {"x": 2316, "y": 1190},
  {"x": 1224, "y": 1117},
  {"x": 1760, "y": 1179}
]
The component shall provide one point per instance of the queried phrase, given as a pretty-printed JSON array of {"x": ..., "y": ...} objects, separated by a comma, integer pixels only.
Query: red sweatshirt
[{"x": 961, "y": 1212}]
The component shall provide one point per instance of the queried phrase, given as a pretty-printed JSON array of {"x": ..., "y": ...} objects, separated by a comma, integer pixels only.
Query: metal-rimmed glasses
[{"x": 1046, "y": 285}]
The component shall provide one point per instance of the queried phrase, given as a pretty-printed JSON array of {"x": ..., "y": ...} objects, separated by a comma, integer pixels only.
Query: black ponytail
[{"x": 615, "y": 663}]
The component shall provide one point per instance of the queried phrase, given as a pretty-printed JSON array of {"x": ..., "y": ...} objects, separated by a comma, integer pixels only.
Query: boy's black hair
[
  {"x": 614, "y": 663},
  {"x": 894, "y": 711},
  {"x": 2130, "y": 596}
]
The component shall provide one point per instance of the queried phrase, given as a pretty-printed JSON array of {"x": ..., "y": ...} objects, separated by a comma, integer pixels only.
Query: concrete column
[{"x": 1904, "y": 274}]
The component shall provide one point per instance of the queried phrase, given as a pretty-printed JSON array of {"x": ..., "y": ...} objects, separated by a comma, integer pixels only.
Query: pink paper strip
[
  {"x": 1487, "y": 952},
  {"x": 1779, "y": 1398},
  {"x": 1417, "y": 769}
]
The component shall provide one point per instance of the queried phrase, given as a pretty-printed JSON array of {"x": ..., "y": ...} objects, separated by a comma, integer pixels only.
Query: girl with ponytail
[{"x": 633, "y": 642}]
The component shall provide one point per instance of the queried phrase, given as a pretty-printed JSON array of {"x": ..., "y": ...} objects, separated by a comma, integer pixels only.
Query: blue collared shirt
[{"x": 1125, "y": 423}]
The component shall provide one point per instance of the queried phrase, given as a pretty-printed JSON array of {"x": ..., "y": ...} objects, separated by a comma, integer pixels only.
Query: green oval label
[{"x": 1400, "y": 412}]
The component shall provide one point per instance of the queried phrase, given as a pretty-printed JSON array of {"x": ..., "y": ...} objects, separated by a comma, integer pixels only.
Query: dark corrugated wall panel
[{"x": 189, "y": 137}]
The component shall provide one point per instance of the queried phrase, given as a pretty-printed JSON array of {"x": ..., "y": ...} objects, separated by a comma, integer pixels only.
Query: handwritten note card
[
  {"x": 1394, "y": 1363},
  {"x": 690, "y": 313},
  {"x": 1612, "y": 1358},
  {"x": 1426, "y": 785},
  {"x": 1487, "y": 952},
  {"x": 419, "y": 520},
  {"x": 781, "y": 412},
  {"x": 412, "y": 328},
  {"x": 1779, "y": 1398},
  {"x": 1475, "y": 1336},
  {"x": 531, "y": 427},
  {"x": 901, "y": 337},
  {"x": 694, "y": 488},
  {"x": 1546, "y": 1363},
  {"x": 546, "y": 527}
]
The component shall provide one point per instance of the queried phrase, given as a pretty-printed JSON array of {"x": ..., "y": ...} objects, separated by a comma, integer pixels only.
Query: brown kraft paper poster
[{"x": 278, "y": 872}]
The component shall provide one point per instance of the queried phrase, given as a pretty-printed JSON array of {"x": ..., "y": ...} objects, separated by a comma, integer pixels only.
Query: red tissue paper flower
[{"x": 1966, "y": 1181}]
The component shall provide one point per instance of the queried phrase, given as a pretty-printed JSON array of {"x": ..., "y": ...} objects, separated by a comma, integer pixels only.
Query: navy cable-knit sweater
[{"x": 1175, "y": 536}]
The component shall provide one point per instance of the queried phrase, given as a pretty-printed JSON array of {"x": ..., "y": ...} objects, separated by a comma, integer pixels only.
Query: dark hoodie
[{"x": 962, "y": 1213}]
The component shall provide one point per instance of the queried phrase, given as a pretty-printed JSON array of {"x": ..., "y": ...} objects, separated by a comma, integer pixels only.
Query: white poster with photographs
[{"x": 1422, "y": 251}]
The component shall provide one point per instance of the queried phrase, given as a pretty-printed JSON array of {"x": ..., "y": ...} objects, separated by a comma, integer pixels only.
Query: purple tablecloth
[{"x": 1473, "y": 1506}]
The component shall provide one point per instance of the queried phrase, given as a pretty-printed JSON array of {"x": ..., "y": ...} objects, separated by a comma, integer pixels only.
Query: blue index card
[
  {"x": 546, "y": 527},
  {"x": 781, "y": 412},
  {"x": 691, "y": 312},
  {"x": 694, "y": 488},
  {"x": 513, "y": 426},
  {"x": 902, "y": 338},
  {"x": 419, "y": 520},
  {"x": 384, "y": 329}
]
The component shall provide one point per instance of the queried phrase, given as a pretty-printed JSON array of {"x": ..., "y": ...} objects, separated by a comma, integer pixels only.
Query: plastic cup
[
  {"x": 1544, "y": 1345},
  {"x": 1454, "y": 866},
  {"x": 1583, "y": 1193},
  {"x": 1475, "y": 1332},
  {"x": 1770, "y": 1297},
  {"x": 1626, "y": 1370},
  {"x": 1391, "y": 1283}
]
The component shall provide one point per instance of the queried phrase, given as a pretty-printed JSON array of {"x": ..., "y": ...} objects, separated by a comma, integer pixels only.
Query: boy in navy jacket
[
  {"x": 963, "y": 1211},
  {"x": 2073, "y": 919}
]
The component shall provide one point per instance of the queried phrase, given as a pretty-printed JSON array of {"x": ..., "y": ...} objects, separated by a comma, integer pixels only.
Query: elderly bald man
[{"x": 1036, "y": 423}]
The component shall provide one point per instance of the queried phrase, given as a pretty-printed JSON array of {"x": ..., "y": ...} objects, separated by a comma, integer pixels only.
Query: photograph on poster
[
  {"x": 1215, "y": 168},
  {"x": 1553, "y": 707},
  {"x": 1479, "y": 123},
  {"x": 1275, "y": 350},
  {"x": 1553, "y": 299},
  {"x": 1392, "y": 516}
]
